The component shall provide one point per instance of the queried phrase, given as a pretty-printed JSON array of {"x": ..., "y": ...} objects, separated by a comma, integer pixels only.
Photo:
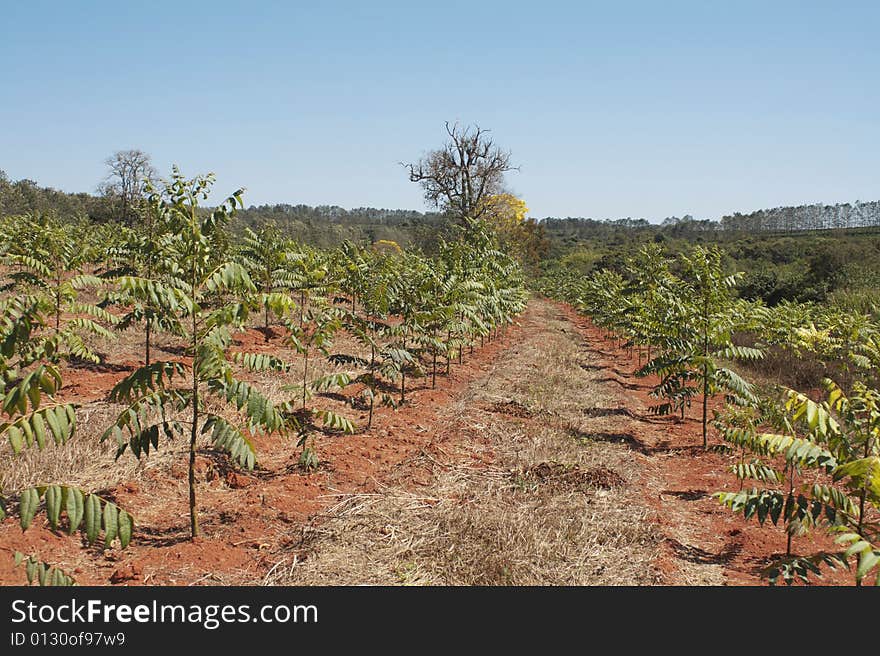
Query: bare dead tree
[
  {"x": 128, "y": 171},
  {"x": 460, "y": 176}
]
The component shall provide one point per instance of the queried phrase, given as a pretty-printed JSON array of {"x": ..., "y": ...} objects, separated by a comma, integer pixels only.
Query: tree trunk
[
  {"x": 705, "y": 372},
  {"x": 195, "y": 531},
  {"x": 862, "y": 497},
  {"x": 403, "y": 378},
  {"x": 266, "y": 322},
  {"x": 790, "y": 493},
  {"x": 58, "y": 306},
  {"x": 448, "y": 351},
  {"x": 434, "y": 363},
  {"x": 705, "y": 405},
  {"x": 305, "y": 375}
]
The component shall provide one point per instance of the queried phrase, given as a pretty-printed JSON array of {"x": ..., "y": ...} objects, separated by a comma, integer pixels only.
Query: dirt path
[
  {"x": 533, "y": 463},
  {"x": 510, "y": 491}
]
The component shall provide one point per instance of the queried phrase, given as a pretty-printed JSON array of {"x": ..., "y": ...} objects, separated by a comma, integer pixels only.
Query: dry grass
[
  {"x": 86, "y": 462},
  {"x": 521, "y": 502},
  {"x": 83, "y": 461}
]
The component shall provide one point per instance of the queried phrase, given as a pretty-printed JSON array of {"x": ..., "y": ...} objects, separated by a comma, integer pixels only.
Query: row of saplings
[
  {"x": 179, "y": 273},
  {"x": 802, "y": 463}
]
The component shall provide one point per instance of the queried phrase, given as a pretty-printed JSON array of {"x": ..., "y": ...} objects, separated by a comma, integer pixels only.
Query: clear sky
[{"x": 611, "y": 109}]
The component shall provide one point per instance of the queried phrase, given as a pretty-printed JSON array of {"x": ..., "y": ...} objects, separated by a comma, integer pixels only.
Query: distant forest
[
  {"x": 321, "y": 226},
  {"x": 325, "y": 225},
  {"x": 841, "y": 216}
]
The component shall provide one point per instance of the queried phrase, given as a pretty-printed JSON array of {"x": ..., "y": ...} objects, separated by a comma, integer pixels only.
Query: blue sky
[{"x": 611, "y": 109}]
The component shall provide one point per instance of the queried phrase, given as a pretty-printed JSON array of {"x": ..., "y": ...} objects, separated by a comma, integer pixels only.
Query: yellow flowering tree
[{"x": 520, "y": 235}]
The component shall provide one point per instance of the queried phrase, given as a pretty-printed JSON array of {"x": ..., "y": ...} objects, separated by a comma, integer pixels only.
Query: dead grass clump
[
  {"x": 511, "y": 409},
  {"x": 568, "y": 477}
]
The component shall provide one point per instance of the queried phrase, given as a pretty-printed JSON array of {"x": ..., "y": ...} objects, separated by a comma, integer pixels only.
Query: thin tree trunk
[
  {"x": 150, "y": 310},
  {"x": 403, "y": 377},
  {"x": 862, "y": 497},
  {"x": 195, "y": 531},
  {"x": 790, "y": 492},
  {"x": 305, "y": 374},
  {"x": 705, "y": 373},
  {"x": 266, "y": 321},
  {"x": 448, "y": 351},
  {"x": 705, "y": 405},
  {"x": 58, "y": 305},
  {"x": 434, "y": 363}
]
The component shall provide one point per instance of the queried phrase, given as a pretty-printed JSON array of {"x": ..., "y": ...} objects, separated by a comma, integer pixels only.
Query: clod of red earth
[
  {"x": 127, "y": 572},
  {"x": 237, "y": 481}
]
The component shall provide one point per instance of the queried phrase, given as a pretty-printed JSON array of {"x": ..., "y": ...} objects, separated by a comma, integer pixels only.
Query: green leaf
[
  {"x": 867, "y": 561},
  {"x": 92, "y": 517},
  {"x": 75, "y": 506},
  {"x": 227, "y": 437},
  {"x": 53, "y": 504},
  {"x": 28, "y": 504},
  {"x": 126, "y": 525},
  {"x": 111, "y": 523},
  {"x": 57, "y": 433},
  {"x": 16, "y": 439},
  {"x": 33, "y": 392},
  {"x": 857, "y": 547},
  {"x": 39, "y": 430}
]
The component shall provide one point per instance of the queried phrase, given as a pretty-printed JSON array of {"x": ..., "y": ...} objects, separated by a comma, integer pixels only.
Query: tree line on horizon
[{"x": 323, "y": 225}]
